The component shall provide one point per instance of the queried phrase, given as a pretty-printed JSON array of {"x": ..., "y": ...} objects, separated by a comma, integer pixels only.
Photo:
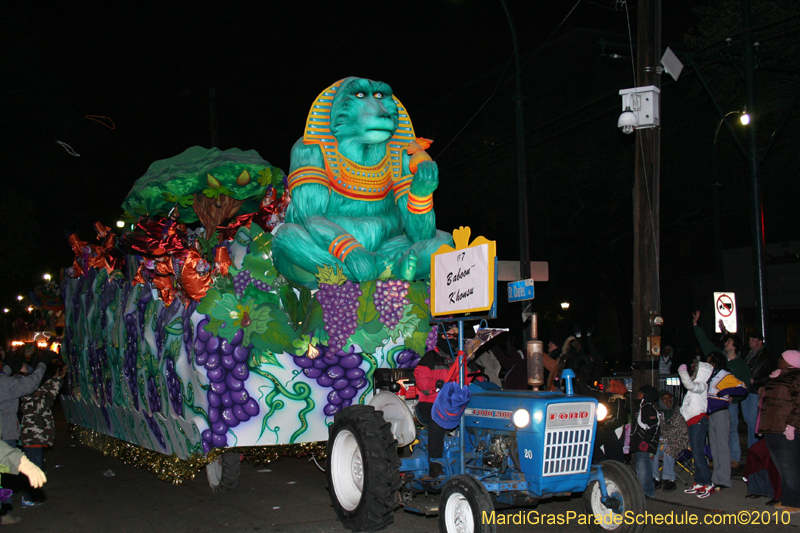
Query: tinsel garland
[{"x": 174, "y": 470}]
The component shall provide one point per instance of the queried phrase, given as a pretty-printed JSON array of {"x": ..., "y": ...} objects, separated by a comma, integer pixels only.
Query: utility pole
[
  {"x": 753, "y": 157},
  {"x": 522, "y": 180},
  {"x": 646, "y": 227}
]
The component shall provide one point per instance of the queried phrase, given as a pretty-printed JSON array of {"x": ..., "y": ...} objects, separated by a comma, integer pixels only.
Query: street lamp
[
  {"x": 564, "y": 305},
  {"x": 120, "y": 224},
  {"x": 48, "y": 277},
  {"x": 744, "y": 119},
  {"x": 20, "y": 297}
]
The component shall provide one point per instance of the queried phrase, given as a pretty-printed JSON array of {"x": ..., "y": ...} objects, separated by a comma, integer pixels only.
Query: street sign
[
  {"x": 725, "y": 310},
  {"x": 520, "y": 290}
]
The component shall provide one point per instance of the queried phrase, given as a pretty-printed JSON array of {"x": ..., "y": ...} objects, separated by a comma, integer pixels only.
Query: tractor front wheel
[
  {"x": 623, "y": 485},
  {"x": 462, "y": 506},
  {"x": 363, "y": 469}
]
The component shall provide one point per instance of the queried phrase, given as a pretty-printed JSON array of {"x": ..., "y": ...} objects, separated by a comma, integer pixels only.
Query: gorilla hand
[
  {"x": 361, "y": 264},
  {"x": 426, "y": 179}
]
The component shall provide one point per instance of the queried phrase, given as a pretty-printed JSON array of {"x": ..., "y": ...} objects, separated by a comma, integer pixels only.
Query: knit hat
[
  {"x": 792, "y": 357},
  {"x": 615, "y": 386}
]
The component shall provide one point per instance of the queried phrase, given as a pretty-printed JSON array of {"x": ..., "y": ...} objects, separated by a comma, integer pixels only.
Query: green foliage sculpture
[
  {"x": 209, "y": 185},
  {"x": 360, "y": 201}
]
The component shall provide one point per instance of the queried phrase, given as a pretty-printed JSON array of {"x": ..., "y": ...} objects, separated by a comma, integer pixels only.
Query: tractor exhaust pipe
[{"x": 534, "y": 356}]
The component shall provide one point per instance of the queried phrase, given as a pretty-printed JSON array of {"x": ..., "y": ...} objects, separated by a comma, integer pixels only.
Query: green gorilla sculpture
[{"x": 360, "y": 201}]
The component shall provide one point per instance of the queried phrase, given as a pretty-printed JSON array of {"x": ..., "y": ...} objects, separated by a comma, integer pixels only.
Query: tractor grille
[{"x": 568, "y": 438}]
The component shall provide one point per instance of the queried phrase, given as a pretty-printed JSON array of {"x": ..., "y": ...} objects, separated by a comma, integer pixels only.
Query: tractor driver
[{"x": 429, "y": 374}]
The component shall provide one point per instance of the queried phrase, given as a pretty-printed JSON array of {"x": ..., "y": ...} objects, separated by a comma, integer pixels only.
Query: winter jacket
[
  {"x": 675, "y": 434},
  {"x": 646, "y": 424},
  {"x": 37, "y": 426},
  {"x": 721, "y": 386},
  {"x": 430, "y": 369},
  {"x": 741, "y": 371},
  {"x": 779, "y": 403},
  {"x": 10, "y": 457},
  {"x": 761, "y": 365},
  {"x": 695, "y": 402},
  {"x": 12, "y": 388}
]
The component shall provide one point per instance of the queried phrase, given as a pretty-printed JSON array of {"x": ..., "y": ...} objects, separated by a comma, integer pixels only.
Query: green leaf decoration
[
  {"x": 261, "y": 241},
  {"x": 260, "y": 268},
  {"x": 175, "y": 347},
  {"x": 313, "y": 319},
  {"x": 209, "y": 301},
  {"x": 151, "y": 310},
  {"x": 303, "y": 300},
  {"x": 266, "y": 358},
  {"x": 386, "y": 274},
  {"x": 367, "y": 314},
  {"x": 226, "y": 308},
  {"x": 260, "y": 297},
  {"x": 213, "y": 326},
  {"x": 417, "y": 294},
  {"x": 260, "y": 322},
  {"x": 280, "y": 335},
  {"x": 331, "y": 275},
  {"x": 417, "y": 342},
  {"x": 368, "y": 343},
  {"x": 211, "y": 193},
  {"x": 185, "y": 200},
  {"x": 406, "y": 327},
  {"x": 301, "y": 345},
  {"x": 265, "y": 177},
  {"x": 290, "y": 302}
]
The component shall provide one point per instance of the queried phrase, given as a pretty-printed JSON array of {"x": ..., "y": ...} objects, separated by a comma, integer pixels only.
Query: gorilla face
[{"x": 364, "y": 112}]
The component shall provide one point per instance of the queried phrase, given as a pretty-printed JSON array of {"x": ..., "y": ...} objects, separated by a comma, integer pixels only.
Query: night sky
[{"x": 148, "y": 67}]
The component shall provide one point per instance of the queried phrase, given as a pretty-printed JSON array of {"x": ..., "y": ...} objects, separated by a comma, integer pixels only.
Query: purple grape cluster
[
  {"x": 339, "y": 311},
  {"x": 129, "y": 358},
  {"x": 243, "y": 279},
  {"x": 229, "y": 403},
  {"x": 188, "y": 331},
  {"x": 95, "y": 367},
  {"x": 174, "y": 387},
  {"x": 340, "y": 372},
  {"x": 390, "y": 300},
  {"x": 153, "y": 397},
  {"x": 430, "y": 342},
  {"x": 141, "y": 305},
  {"x": 153, "y": 425},
  {"x": 407, "y": 359}
]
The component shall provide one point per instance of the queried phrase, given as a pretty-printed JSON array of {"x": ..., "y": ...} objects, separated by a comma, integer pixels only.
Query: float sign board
[
  {"x": 725, "y": 310},
  {"x": 519, "y": 291},
  {"x": 463, "y": 279}
]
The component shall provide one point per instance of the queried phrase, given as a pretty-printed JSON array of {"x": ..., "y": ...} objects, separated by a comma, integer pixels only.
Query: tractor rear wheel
[
  {"x": 462, "y": 505},
  {"x": 363, "y": 469},
  {"x": 622, "y": 484},
  {"x": 224, "y": 473}
]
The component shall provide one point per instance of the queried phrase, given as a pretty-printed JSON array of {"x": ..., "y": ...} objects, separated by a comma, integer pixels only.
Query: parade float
[{"x": 243, "y": 308}]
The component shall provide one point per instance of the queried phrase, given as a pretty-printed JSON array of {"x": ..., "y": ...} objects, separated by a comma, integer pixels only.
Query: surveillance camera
[{"x": 627, "y": 121}]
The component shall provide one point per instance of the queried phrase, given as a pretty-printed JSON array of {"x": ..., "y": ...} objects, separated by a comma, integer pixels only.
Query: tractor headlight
[
  {"x": 602, "y": 411},
  {"x": 521, "y": 418}
]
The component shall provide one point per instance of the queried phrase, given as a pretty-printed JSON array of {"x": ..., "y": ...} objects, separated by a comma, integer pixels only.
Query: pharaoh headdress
[{"x": 342, "y": 175}]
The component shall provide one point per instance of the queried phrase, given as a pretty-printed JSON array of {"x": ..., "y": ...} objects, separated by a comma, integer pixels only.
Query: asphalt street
[{"x": 289, "y": 495}]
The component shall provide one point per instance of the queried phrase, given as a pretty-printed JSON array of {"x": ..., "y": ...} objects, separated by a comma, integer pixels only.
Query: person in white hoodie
[{"x": 693, "y": 409}]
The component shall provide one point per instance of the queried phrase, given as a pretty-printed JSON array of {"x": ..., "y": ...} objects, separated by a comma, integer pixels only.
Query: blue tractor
[{"x": 512, "y": 448}]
